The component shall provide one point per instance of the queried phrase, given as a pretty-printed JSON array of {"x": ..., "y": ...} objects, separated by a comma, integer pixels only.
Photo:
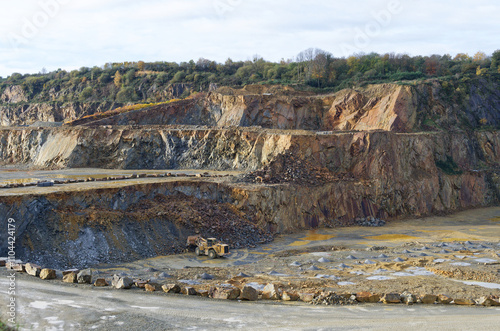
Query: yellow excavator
[{"x": 210, "y": 246}]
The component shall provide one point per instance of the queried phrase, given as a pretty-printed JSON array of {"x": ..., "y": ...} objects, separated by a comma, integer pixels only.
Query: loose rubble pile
[
  {"x": 288, "y": 168},
  {"x": 370, "y": 221},
  {"x": 234, "y": 227}
]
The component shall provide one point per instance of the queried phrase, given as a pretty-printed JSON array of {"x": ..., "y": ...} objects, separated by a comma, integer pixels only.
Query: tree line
[{"x": 312, "y": 68}]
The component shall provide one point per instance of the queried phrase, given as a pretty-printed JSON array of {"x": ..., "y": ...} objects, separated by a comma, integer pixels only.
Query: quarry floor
[{"x": 433, "y": 255}]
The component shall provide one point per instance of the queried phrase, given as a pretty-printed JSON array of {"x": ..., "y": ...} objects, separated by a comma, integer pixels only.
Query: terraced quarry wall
[
  {"x": 386, "y": 151},
  {"x": 381, "y": 174}
]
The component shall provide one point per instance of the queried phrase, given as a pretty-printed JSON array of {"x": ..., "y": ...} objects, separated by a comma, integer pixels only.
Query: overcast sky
[{"x": 69, "y": 34}]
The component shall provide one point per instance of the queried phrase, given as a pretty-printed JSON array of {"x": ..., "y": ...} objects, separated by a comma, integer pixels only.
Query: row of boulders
[
  {"x": 408, "y": 298},
  {"x": 47, "y": 183},
  {"x": 69, "y": 276},
  {"x": 236, "y": 289}
]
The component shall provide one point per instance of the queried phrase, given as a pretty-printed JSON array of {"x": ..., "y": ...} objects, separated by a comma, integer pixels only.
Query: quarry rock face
[
  {"x": 383, "y": 108},
  {"x": 375, "y": 153},
  {"x": 31, "y": 113},
  {"x": 13, "y": 94}
]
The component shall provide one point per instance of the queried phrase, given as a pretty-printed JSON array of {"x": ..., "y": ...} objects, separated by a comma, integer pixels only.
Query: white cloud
[{"x": 93, "y": 32}]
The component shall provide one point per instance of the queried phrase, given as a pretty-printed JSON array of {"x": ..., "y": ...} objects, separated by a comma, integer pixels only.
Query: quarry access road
[
  {"x": 14, "y": 176},
  {"x": 51, "y": 306}
]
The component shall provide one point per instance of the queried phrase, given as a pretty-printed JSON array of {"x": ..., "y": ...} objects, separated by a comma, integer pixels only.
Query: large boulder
[
  {"x": 19, "y": 267},
  {"x": 33, "y": 269},
  {"x": 488, "y": 301},
  {"x": 464, "y": 302},
  {"x": 188, "y": 291},
  {"x": 428, "y": 299},
  {"x": 249, "y": 293},
  {"x": 307, "y": 296},
  {"x": 84, "y": 277},
  {"x": 444, "y": 299},
  {"x": 140, "y": 283},
  {"x": 203, "y": 293},
  {"x": 391, "y": 298},
  {"x": 289, "y": 296},
  {"x": 171, "y": 288},
  {"x": 48, "y": 274},
  {"x": 70, "y": 278},
  {"x": 115, "y": 280},
  {"x": 367, "y": 297},
  {"x": 149, "y": 288},
  {"x": 225, "y": 293},
  {"x": 123, "y": 283},
  {"x": 271, "y": 292},
  {"x": 100, "y": 282},
  {"x": 408, "y": 298},
  {"x": 75, "y": 271}
]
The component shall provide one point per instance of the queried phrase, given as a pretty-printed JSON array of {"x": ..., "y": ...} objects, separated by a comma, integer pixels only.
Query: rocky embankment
[{"x": 400, "y": 107}]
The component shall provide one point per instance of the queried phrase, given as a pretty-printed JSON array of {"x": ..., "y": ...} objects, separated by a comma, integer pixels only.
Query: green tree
[
  {"x": 179, "y": 76},
  {"x": 462, "y": 57},
  {"x": 163, "y": 78},
  {"x": 86, "y": 93},
  {"x": 104, "y": 78},
  {"x": 495, "y": 59},
  {"x": 129, "y": 76},
  {"x": 126, "y": 94}
]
